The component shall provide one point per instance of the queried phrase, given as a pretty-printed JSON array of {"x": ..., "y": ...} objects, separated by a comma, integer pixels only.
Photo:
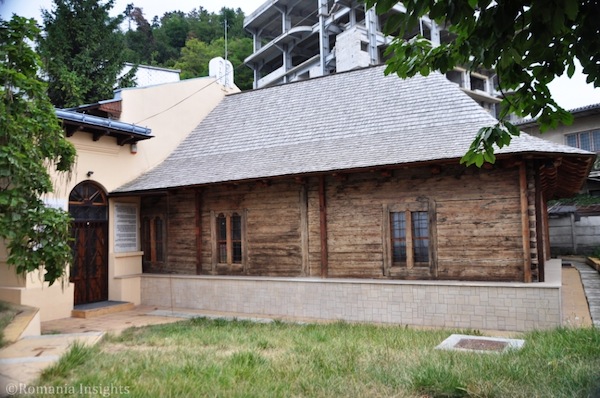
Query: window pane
[
  {"x": 421, "y": 236},
  {"x": 222, "y": 227},
  {"x": 596, "y": 139},
  {"x": 222, "y": 252},
  {"x": 237, "y": 252},
  {"x": 236, "y": 227},
  {"x": 398, "y": 221},
  {"x": 398, "y": 225},
  {"x": 572, "y": 140},
  {"x": 584, "y": 141}
]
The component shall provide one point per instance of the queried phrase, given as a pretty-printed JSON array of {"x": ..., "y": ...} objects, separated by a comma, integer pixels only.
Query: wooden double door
[{"x": 89, "y": 268}]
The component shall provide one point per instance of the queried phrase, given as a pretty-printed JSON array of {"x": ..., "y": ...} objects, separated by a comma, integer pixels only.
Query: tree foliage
[
  {"x": 31, "y": 141},
  {"x": 82, "y": 51},
  {"x": 187, "y": 41},
  {"x": 196, "y": 55},
  {"x": 527, "y": 42}
]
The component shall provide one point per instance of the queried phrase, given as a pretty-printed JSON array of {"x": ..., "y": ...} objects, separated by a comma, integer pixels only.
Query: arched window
[
  {"x": 87, "y": 201},
  {"x": 229, "y": 240}
]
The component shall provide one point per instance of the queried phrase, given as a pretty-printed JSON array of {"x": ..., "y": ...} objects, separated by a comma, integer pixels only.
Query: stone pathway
[{"x": 591, "y": 284}]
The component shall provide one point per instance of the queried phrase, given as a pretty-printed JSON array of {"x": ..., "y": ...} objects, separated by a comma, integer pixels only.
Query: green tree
[
  {"x": 82, "y": 51},
  {"x": 196, "y": 55},
  {"x": 175, "y": 26},
  {"x": 527, "y": 42},
  {"x": 203, "y": 25},
  {"x": 140, "y": 42},
  {"x": 31, "y": 142},
  {"x": 239, "y": 49}
]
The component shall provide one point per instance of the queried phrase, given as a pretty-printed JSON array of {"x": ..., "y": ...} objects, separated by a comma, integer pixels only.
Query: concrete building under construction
[{"x": 302, "y": 39}]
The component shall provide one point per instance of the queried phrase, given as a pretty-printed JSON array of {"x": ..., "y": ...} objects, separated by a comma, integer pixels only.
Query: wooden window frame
[
  {"x": 151, "y": 245},
  {"x": 410, "y": 268},
  {"x": 215, "y": 239}
]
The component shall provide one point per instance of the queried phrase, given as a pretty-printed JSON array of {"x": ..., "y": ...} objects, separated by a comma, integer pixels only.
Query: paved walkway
[
  {"x": 575, "y": 310},
  {"x": 23, "y": 361},
  {"x": 590, "y": 279}
]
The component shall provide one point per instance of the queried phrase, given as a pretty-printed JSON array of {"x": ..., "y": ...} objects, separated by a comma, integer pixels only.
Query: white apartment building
[{"x": 302, "y": 39}]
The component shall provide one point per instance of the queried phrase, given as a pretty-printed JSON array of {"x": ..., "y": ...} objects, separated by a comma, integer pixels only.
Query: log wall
[{"x": 478, "y": 220}]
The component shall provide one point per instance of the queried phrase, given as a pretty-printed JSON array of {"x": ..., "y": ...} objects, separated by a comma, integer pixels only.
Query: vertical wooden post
[
  {"x": 228, "y": 232},
  {"x": 387, "y": 240},
  {"x": 304, "y": 229},
  {"x": 539, "y": 228},
  {"x": 525, "y": 222},
  {"x": 167, "y": 229},
  {"x": 323, "y": 226},
  {"x": 547, "y": 252},
  {"x": 198, "y": 231},
  {"x": 410, "y": 251},
  {"x": 213, "y": 241}
]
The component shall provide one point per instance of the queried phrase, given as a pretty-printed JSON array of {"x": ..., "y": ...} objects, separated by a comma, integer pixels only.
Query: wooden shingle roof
[{"x": 351, "y": 120}]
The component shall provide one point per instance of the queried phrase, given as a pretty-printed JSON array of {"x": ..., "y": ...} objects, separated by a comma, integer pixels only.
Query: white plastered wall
[{"x": 171, "y": 111}]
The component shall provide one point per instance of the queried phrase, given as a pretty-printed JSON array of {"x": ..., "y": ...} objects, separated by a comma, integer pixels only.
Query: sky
[
  {"x": 568, "y": 93},
  {"x": 31, "y": 8}
]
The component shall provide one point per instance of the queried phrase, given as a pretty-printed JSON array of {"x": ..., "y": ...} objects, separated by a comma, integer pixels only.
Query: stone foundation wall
[{"x": 497, "y": 306}]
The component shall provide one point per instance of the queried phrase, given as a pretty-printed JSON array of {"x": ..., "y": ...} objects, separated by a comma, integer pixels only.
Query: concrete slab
[
  {"x": 480, "y": 344},
  {"x": 23, "y": 361}
]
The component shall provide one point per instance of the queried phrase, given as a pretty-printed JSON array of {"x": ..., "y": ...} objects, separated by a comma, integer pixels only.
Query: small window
[
  {"x": 455, "y": 76},
  {"x": 410, "y": 237},
  {"x": 229, "y": 238},
  {"x": 409, "y": 233},
  {"x": 153, "y": 242},
  {"x": 477, "y": 83},
  {"x": 586, "y": 140}
]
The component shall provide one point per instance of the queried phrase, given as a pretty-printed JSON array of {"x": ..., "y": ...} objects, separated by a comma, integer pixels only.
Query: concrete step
[
  {"x": 100, "y": 308},
  {"x": 594, "y": 263},
  {"x": 23, "y": 361},
  {"x": 25, "y": 323}
]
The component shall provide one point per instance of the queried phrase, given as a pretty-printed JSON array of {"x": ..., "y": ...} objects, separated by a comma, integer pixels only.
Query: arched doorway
[{"x": 89, "y": 270}]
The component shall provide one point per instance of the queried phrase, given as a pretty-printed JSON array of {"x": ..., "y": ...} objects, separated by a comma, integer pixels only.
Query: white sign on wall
[{"x": 126, "y": 228}]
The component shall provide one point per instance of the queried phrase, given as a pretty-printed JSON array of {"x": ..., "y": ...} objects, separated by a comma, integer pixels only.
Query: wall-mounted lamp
[
  {"x": 133, "y": 148},
  {"x": 89, "y": 173}
]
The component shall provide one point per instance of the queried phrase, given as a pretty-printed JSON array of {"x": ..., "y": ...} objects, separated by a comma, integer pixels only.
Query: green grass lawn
[{"x": 221, "y": 358}]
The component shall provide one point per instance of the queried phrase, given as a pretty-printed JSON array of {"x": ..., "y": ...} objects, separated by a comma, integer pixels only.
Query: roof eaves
[{"x": 124, "y": 132}]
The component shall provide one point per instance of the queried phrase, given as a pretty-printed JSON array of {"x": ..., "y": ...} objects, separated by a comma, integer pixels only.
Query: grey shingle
[{"x": 348, "y": 120}]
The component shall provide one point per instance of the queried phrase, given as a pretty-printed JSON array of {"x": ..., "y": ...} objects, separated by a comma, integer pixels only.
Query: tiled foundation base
[{"x": 495, "y": 306}]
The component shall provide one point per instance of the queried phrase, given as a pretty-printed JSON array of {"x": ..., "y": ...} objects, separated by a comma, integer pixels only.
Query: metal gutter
[{"x": 141, "y": 133}]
